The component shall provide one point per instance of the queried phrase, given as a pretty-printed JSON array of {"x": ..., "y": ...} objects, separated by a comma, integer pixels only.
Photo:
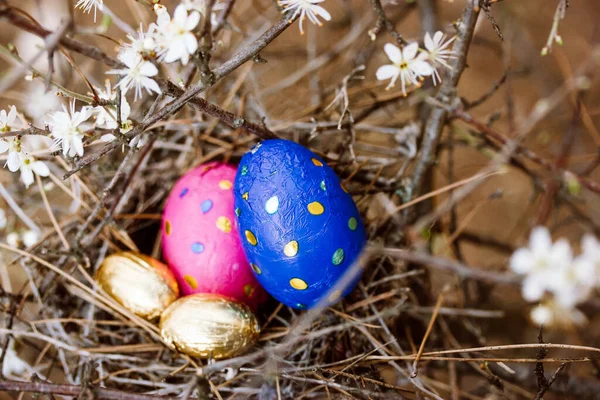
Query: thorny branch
[{"x": 447, "y": 95}]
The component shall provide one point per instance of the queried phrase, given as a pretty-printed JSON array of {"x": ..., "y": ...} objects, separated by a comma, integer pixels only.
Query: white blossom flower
[
  {"x": 86, "y": 6},
  {"x": 7, "y": 120},
  {"x": 13, "y": 366},
  {"x": 306, "y": 9},
  {"x": 29, "y": 165},
  {"x": 66, "y": 128},
  {"x": 106, "y": 116},
  {"x": 200, "y": 6},
  {"x": 437, "y": 52},
  {"x": 2, "y": 219},
  {"x": 13, "y": 146},
  {"x": 144, "y": 44},
  {"x": 12, "y": 239},
  {"x": 138, "y": 74},
  {"x": 40, "y": 103},
  {"x": 176, "y": 35},
  {"x": 541, "y": 262},
  {"x": 30, "y": 238},
  {"x": 406, "y": 65},
  {"x": 552, "y": 314}
]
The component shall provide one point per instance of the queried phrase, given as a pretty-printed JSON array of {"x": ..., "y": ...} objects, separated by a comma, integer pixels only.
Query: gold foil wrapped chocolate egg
[
  {"x": 141, "y": 284},
  {"x": 209, "y": 325}
]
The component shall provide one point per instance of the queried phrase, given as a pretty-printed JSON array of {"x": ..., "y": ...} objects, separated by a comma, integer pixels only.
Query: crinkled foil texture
[
  {"x": 299, "y": 179},
  {"x": 209, "y": 326},
  {"x": 139, "y": 283}
]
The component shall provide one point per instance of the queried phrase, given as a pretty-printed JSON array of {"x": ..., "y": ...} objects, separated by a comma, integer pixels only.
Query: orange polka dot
[
  {"x": 224, "y": 224},
  {"x": 190, "y": 280},
  {"x": 317, "y": 162},
  {"x": 316, "y": 208},
  {"x": 168, "y": 227},
  {"x": 298, "y": 284},
  {"x": 249, "y": 290},
  {"x": 250, "y": 237},
  {"x": 256, "y": 269},
  {"x": 225, "y": 184}
]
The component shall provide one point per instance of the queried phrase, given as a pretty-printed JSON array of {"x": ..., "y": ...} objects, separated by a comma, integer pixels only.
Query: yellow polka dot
[
  {"x": 316, "y": 208},
  {"x": 249, "y": 290},
  {"x": 317, "y": 162},
  {"x": 298, "y": 283},
  {"x": 225, "y": 184},
  {"x": 335, "y": 296},
  {"x": 190, "y": 280},
  {"x": 291, "y": 249},
  {"x": 245, "y": 196},
  {"x": 224, "y": 224},
  {"x": 168, "y": 227},
  {"x": 250, "y": 237},
  {"x": 343, "y": 187},
  {"x": 256, "y": 269}
]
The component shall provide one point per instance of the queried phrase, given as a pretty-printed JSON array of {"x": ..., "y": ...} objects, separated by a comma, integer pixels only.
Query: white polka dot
[{"x": 272, "y": 205}]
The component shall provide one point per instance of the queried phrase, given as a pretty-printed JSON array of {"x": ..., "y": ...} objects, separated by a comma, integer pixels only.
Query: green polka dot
[
  {"x": 244, "y": 170},
  {"x": 300, "y": 306},
  {"x": 323, "y": 186},
  {"x": 352, "y": 223},
  {"x": 238, "y": 212},
  {"x": 338, "y": 257}
]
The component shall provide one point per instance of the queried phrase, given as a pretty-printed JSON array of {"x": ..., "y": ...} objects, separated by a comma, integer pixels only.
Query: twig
[
  {"x": 383, "y": 21},
  {"x": 447, "y": 94},
  {"x": 71, "y": 390},
  {"x": 236, "y": 61},
  {"x": 549, "y": 382},
  {"x": 436, "y": 310}
]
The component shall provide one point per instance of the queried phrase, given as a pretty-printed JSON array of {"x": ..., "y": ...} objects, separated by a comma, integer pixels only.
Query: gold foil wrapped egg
[
  {"x": 209, "y": 326},
  {"x": 141, "y": 284}
]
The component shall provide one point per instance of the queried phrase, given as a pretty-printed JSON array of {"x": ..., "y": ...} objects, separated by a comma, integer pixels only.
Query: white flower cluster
[
  {"x": 412, "y": 64},
  {"x": 18, "y": 159},
  {"x": 26, "y": 238},
  {"x": 170, "y": 39},
  {"x": 556, "y": 278}
]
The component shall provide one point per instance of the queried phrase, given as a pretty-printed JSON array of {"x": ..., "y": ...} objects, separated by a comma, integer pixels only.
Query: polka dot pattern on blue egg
[{"x": 299, "y": 227}]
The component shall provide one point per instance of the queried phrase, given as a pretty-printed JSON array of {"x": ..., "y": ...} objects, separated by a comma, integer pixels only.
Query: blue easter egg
[{"x": 300, "y": 229}]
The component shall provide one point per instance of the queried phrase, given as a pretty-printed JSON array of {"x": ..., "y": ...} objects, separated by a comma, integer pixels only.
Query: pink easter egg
[{"x": 200, "y": 239}]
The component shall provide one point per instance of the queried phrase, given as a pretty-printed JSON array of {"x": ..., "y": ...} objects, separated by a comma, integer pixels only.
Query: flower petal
[
  {"x": 13, "y": 161},
  {"x": 192, "y": 21},
  {"x": 148, "y": 69},
  {"x": 3, "y": 146},
  {"x": 421, "y": 68},
  {"x": 387, "y": 72},
  {"x": 410, "y": 51},
  {"x": 27, "y": 176},
  {"x": 12, "y": 115},
  {"x": 429, "y": 45},
  {"x": 522, "y": 261},
  {"x": 40, "y": 168},
  {"x": 540, "y": 240},
  {"x": 322, "y": 12},
  {"x": 533, "y": 288},
  {"x": 393, "y": 53}
]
